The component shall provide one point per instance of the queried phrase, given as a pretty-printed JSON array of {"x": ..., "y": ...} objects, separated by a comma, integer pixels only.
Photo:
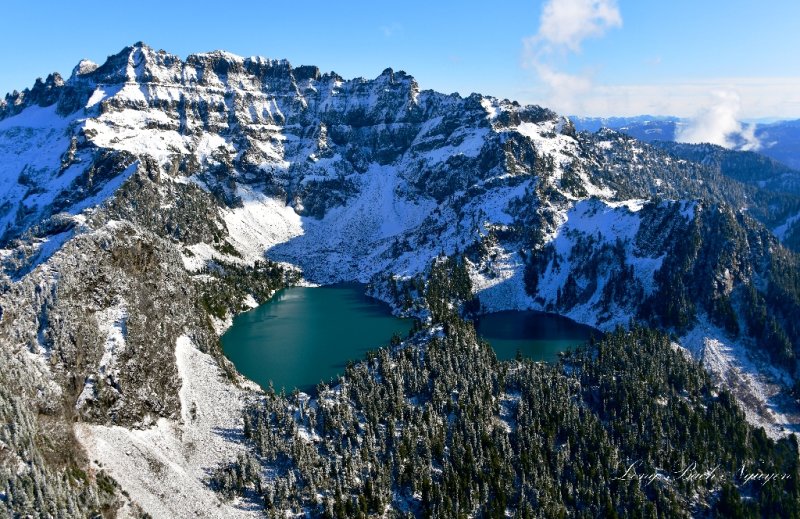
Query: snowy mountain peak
[{"x": 84, "y": 67}]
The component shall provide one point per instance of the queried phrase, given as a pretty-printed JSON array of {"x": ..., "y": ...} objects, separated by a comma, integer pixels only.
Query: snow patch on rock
[
  {"x": 502, "y": 287},
  {"x": 782, "y": 230},
  {"x": 261, "y": 223},
  {"x": 112, "y": 323},
  {"x": 755, "y": 384},
  {"x": 164, "y": 468}
]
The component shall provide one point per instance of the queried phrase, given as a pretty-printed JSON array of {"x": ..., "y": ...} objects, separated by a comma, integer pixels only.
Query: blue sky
[{"x": 650, "y": 57}]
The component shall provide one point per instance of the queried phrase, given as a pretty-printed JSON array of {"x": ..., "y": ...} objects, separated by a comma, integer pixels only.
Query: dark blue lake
[{"x": 536, "y": 335}]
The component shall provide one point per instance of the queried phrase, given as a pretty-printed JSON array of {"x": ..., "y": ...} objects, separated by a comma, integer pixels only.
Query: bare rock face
[{"x": 105, "y": 314}]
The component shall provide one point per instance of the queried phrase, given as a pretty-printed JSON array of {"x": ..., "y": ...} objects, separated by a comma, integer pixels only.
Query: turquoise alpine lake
[{"x": 304, "y": 335}]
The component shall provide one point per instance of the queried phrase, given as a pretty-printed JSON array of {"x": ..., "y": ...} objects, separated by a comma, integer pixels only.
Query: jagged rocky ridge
[{"x": 138, "y": 196}]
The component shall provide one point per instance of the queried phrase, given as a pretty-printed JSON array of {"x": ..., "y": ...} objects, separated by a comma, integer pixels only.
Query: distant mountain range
[{"x": 780, "y": 140}]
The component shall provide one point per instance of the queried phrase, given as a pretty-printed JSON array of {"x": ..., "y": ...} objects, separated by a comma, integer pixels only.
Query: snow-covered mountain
[
  {"x": 772, "y": 171},
  {"x": 127, "y": 189}
]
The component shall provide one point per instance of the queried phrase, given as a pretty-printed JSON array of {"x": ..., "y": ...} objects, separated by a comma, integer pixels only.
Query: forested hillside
[{"x": 627, "y": 426}]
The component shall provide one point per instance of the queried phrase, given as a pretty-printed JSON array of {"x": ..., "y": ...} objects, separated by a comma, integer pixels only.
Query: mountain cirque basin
[{"x": 303, "y": 336}]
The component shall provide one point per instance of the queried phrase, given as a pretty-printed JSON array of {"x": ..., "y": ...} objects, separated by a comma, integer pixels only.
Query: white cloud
[
  {"x": 563, "y": 27},
  {"x": 565, "y": 90},
  {"x": 718, "y": 123},
  {"x": 566, "y": 23},
  {"x": 765, "y": 97}
]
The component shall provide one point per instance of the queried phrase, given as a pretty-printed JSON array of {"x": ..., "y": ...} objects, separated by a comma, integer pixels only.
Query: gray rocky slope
[{"x": 132, "y": 190}]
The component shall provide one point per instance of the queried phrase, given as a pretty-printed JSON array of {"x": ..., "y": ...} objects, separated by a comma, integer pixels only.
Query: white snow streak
[{"x": 163, "y": 468}]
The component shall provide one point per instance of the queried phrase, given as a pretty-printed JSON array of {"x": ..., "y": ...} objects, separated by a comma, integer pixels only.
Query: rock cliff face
[{"x": 136, "y": 194}]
